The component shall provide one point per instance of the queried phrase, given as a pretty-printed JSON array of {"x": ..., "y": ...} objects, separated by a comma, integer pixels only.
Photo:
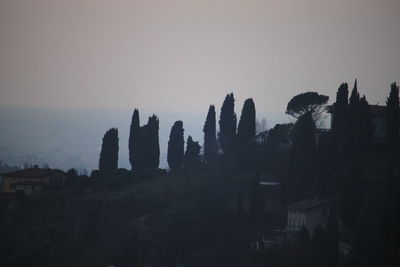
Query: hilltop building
[{"x": 33, "y": 180}]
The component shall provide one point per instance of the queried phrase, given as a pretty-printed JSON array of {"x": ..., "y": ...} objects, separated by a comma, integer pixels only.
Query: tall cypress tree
[
  {"x": 247, "y": 124},
  {"x": 332, "y": 238},
  {"x": 340, "y": 119},
  {"x": 176, "y": 142},
  {"x": 352, "y": 195},
  {"x": 227, "y": 125},
  {"x": 392, "y": 117},
  {"x": 152, "y": 142},
  {"x": 210, "y": 139},
  {"x": 302, "y": 162},
  {"x": 109, "y": 150},
  {"x": 192, "y": 153},
  {"x": 134, "y": 136},
  {"x": 365, "y": 131}
]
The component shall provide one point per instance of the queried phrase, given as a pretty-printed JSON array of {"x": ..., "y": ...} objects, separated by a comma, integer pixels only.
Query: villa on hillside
[
  {"x": 308, "y": 213},
  {"x": 32, "y": 181}
]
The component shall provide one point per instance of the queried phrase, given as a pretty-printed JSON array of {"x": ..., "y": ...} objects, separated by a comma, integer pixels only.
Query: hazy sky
[{"x": 182, "y": 55}]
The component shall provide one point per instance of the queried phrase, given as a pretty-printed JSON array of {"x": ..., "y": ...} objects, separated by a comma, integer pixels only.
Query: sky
[
  {"x": 70, "y": 69},
  {"x": 182, "y": 55}
]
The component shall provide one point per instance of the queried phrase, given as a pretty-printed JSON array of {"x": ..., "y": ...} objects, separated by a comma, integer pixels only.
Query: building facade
[
  {"x": 33, "y": 180},
  {"x": 308, "y": 213}
]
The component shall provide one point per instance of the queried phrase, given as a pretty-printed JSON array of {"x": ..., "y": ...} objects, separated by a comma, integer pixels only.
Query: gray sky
[{"x": 181, "y": 55}]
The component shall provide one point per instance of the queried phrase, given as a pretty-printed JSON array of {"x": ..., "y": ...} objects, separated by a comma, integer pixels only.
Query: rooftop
[{"x": 32, "y": 173}]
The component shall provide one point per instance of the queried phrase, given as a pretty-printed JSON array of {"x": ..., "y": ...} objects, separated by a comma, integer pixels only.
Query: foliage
[
  {"x": 192, "y": 154},
  {"x": 279, "y": 135},
  {"x": 227, "y": 125},
  {"x": 352, "y": 195},
  {"x": 300, "y": 182},
  {"x": 152, "y": 142},
  {"x": 392, "y": 116},
  {"x": 134, "y": 135},
  {"x": 210, "y": 139},
  {"x": 176, "y": 143},
  {"x": 109, "y": 150},
  {"x": 340, "y": 114},
  {"x": 247, "y": 123},
  {"x": 309, "y": 102}
]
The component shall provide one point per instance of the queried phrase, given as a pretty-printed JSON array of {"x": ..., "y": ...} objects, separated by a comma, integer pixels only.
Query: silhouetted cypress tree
[
  {"x": 340, "y": 119},
  {"x": 352, "y": 195},
  {"x": 152, "y": 142},
  {"x": 192, "y": 153},
  {"x": 302, "y": 162},
  {"x": 332, "y": 238},
  {"x": 392, "y": 117},
  {"x": 247, "y": 124},
  {"x": 210, "y": 138},
  {"x": 176, "y": 143},
  {"x": 134, "y": 136},
  {"x": 365, "y": 131},
  {"x": 355, "y": 97},
  {"x": 109, "y": 151},
  {"x": 227, "y": 125},
  {"x": 353, "y": 118}
]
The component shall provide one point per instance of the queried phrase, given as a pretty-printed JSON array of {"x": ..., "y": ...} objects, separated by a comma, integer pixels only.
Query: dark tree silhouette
[
  {"x": 109, "y": 151},
  {"x": 361, "y": 128},
  {"x": 332, "y": 238},
  {"x": 192, "y": 153},
  {"x": 352, "y": 195},
  {"x": 176, "y": 143},
  {"x": 354, "y": 98},
  {"x": 353, "y": 111},
  {"x": 227, "y": 125},
  {"x": 392, "y": 117},
  {"x": 365, "y": 125},
  {"x": 210, "y": 139},
  {"x": 340, "y": 119},
  {"x": 307, "y": 102},
  {"x": 301, "y": 182},
  {"x": 279, "y": 134},
  {"x": 247, "y": 124},
  {"x": 134, "y": 136},
  {"x": 152, "y": 142}
]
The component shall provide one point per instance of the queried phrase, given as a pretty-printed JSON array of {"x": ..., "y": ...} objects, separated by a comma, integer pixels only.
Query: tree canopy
[
  {"x": 134, "y": 135},
  {"x": 109, "y": 150},
  {"x": 175, "y": 155},
  {"x": 247, "y": 123},
  {"x": 210, "y": 138},
  {"x": 227, "y": 125},
  {"x": 392, "y": 116},
  {"x": 307, "y": 102},
  {"x": 192, "y": 153}
]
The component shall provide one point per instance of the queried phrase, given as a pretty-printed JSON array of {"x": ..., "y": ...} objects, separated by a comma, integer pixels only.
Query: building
[
  {"x": 308, "y": 213},
  {"x": 33, "y": 180}
]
